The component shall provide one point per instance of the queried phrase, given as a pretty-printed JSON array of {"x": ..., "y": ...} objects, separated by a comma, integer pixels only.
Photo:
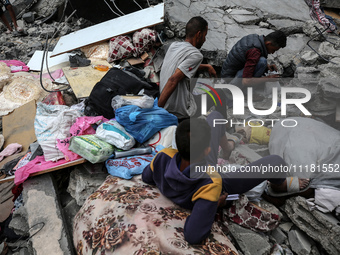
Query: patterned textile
[
  {"x": 249, "y": 215},
  {"x": 121, "y": 47},
  {"x": 144, "y": 39},
  {"x": 317, "y": 14},
  {"x": 131, "y": 217}
]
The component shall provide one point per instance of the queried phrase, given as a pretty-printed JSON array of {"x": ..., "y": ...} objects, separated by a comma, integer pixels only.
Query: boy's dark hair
[
  {"x": 277, "y": 38},
  {"x": 192, "y": 141},
  {"x": 194, "y": 25}
]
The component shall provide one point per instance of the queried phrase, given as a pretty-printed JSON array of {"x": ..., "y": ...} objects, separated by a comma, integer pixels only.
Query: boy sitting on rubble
[{"x": 173, "y": 171}]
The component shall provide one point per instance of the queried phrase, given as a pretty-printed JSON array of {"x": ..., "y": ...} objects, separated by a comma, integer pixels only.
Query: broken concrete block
[
  {"x": 330, "y": 87},
  {"x": 19, "y": 221},
  {"x": 321, "y": 227},
  {"x": 331, "y": 3},
  {"x": 44, "y": 212},
  {"x": 279, "y": 236},
  {"x": 285, "y": 227},
  {"x": 28, "y": 17},
  {"x": 250, "y": 242},
  {"x": 287, "y": 26},
  {"x": 301, "y": 244},
  {"x": 327, "y": 50},
  {"x": 264, "y": 24},
  {"x": 82, "y": 184},
  {"x": 309, "y": 57},
  {"x": 331, "y": 70}
]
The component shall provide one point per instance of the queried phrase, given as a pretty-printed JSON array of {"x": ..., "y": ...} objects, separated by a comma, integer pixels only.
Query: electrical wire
[
  {"x": 138, "y": 5},
  {"x": 148, "y": 3},
  {"x": 111, "y": 9},
  {"x": 113, "y": 1}
]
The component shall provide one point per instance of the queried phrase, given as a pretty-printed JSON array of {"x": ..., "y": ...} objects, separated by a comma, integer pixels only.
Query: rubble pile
[{"x": 315, "y": 67}]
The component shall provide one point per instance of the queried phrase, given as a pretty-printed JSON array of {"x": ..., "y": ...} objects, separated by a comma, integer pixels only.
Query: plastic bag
[
  {"x": 53, "y": 122},
  {"x": 140, "y": 101},
  {"x": 82, "y": 126},
  {"x": 91, "y": 148},
  {"x": 164, "y": 137},
  {"x": 113, "y": 133},
  {"x": 142, "y": 124},
  {"x": 96, "y": 51}
]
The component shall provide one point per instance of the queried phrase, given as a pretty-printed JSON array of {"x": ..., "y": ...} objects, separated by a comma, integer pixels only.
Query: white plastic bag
[
  {"x": 53, "y": 122},
  {"x": 141, "y": 101},
  {"x": 113, "y": 133},
  {"x": 164, "y": 137}
]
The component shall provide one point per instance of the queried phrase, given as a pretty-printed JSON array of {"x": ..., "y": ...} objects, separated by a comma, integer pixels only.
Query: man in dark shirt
[{"x": 247, "y": 60}]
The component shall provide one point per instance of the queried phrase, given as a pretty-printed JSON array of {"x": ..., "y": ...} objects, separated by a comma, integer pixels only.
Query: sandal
[{"x": 293, "y": 187}]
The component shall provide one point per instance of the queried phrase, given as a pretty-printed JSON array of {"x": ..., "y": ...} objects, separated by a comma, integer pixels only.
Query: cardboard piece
[
  {"x": 135, "y": 61},
  {"x": 18, "y": 127},
  {"x": 106, "y": 30},
  {"x": 83, "y": 79}
]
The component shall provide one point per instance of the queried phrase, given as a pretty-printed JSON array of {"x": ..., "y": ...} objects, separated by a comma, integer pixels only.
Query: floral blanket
[{"x": 131, "y": 217}]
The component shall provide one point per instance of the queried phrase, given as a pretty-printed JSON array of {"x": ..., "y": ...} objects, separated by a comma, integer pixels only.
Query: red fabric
[
  {"x": 253, "y": 55},
  {"x": 17, "y": 191}
]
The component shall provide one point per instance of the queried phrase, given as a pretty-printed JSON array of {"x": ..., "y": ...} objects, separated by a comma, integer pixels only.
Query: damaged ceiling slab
[{"x": 106, "y": 30}]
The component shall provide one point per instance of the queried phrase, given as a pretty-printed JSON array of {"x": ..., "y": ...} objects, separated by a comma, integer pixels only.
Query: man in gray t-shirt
[{"x": 181, "y": 62}]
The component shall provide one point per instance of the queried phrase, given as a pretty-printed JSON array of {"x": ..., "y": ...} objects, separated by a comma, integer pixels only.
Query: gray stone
[
  {"x": 295, "y": 10},
  {"x": 330, "y": 70},
  {"x": 301, "y": 244},
  {"x": 47, "y": 32},
  {"x": 279, "y": 236},
  {"x": 70, "y": 211},
  {"x": 321, "y": 227},
  {"x": 295, "y": 44},
  {"x": 28, "y": 17},
  {"x": 246, "y": 19},
  {"x": 250, "y": 242},
  {"x": 310, "y": 31},
  {"x": 327, "y": 50},
  {"x": 331, "y": 3},
  {"x": 42, "y": 206},
  {"x": 319, "y": 103},
  {"x": 264, "y": 24},
  {"x": 330, "y": 87},
  {"x": 19, "y": 221},
  {"x": 309, "y": 57},
  {"x": 287, "y": 26},
  {"x": 82, "y": 184},
  {"x": 285, "y": 227},
  {"x": 45, "y": 8}
]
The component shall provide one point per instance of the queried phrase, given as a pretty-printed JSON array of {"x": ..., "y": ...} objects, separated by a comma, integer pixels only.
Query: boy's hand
[
  {"x": 272, "y": 67},
  {"x": 222, "y": 200}
]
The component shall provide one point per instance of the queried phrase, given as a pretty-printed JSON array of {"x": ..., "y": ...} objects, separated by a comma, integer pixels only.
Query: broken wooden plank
[
  {"x": 337, "y": 112},
  {"x": 83, "y": 79},
  {"x": 52, "y": 169},
  {"x": 106, "y": 30}
]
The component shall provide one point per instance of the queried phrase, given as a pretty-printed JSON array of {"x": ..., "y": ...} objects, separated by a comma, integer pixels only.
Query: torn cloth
[
  {"x": 317, "y": 14},
  {"x": 36, "y": 165},
  {"x": 326, "y": 200},
  {"x": 11, "y": 149}
]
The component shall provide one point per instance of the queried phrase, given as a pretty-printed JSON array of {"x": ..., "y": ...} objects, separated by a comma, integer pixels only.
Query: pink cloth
[
  {"x": 36, "y": 165},
  {"x": 16, "y": 65},
  {"x": 82, "y": 126},
  {"x": 55, "y": 74},
  {"x": 11, "y": 149}
]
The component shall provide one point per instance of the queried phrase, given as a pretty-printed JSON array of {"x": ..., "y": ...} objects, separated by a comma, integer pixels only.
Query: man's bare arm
[
  {"x": 209, "y": 68},
  {"x": 170, "y": 86}
]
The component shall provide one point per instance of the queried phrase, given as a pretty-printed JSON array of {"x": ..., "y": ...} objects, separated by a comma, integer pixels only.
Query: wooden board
[
  {"x": 337, "y": 112},
  {"x": 52, "y": 169},
  {"x": 18, "y": 127},
  {"x": 83, "y": 79},
  {"x": 106, "y": 30}
]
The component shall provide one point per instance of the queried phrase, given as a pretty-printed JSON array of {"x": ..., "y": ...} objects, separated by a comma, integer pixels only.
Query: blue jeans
[{"x": 260, "y": 68}]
